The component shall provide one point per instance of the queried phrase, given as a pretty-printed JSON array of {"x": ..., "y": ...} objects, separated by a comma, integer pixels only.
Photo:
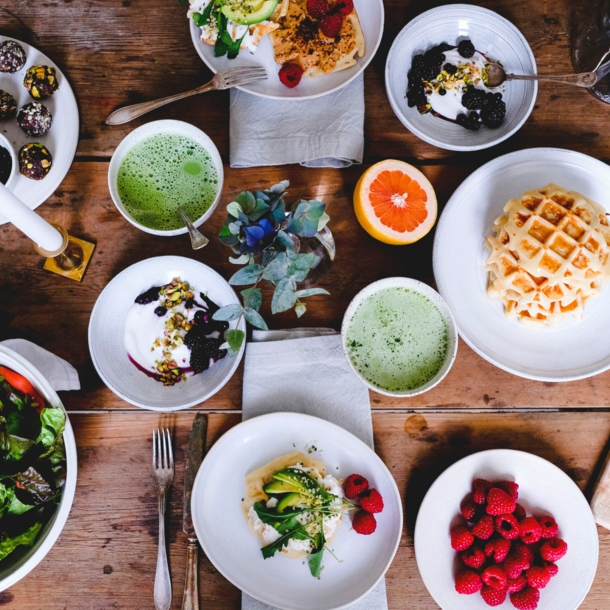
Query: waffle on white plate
[{"x": 550, "y": 253}]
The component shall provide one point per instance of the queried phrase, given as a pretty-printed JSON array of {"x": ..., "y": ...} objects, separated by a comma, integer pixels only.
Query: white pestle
[{"x": 45, "y": 235}]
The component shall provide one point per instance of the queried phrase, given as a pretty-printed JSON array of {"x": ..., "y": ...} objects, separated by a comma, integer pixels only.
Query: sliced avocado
[
  {"x": 292, "y": 499},
  {"x": 300, "y": 481},
  {"x": 248, "y": 12},
  {"x": 279, "y": 487}
]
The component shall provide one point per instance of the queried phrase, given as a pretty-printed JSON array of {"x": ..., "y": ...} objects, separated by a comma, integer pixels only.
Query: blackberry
[
  {"x": 417, "y": 67},
  {"x": 442, "y": 91},
  {"x": 468, "y": 122},
  {"x": 189, "y": 303},
  {"x": 473, "y": 98},
  {"x": 212, "y": 307},
  {"x": 152, "y": 294},
  {"x": 161, "y": 311},
  {"x": 466, "y": 49},
  {"x": 203, "y": 352},
  {"x": 450, "y": 68},
  {"x": 493, "y": 114},
  {"x": 416, "y": 96}
]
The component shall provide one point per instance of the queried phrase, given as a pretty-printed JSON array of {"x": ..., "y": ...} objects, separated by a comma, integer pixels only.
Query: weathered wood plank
[{"x": 106, "y": 556}]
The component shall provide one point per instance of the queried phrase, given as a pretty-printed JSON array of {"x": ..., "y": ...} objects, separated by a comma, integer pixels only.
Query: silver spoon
[
  {"x": 496, "y": 75},
  {"x": 197, "y": 239}
]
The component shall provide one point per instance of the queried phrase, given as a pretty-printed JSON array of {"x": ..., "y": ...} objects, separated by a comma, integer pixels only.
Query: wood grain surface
[{"x": 105, "y": 557}]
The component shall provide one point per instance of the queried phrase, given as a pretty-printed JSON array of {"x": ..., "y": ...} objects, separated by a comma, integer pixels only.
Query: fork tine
[
  {"x": 242, "y": 69},
  {"x": 154, "y": 451},
  {"x": 169, "y": 446},
  {"x": 238, "y": 82},
  {"x": 164, "y": 445}
]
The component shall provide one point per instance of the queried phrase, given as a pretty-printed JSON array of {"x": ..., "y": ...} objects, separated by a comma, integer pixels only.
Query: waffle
[{"x": 549, "y": 255}]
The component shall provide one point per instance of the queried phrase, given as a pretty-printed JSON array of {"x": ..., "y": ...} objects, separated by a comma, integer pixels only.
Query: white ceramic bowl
[
  {"x": 151, "y": 129},
  {"x": 5, "y": 143},
  {"x": 493, "y": 36},
  {"x": 280, "y": 581},
  {"x": 23, "y": 560},
  {"x": 107, "y": 332},
  {"x": 435, "y": 297},
  {"x": 544, "y": 489}
]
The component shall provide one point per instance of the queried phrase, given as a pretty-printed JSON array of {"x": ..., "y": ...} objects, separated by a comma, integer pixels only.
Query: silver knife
[{"x": 194, "y": 456}]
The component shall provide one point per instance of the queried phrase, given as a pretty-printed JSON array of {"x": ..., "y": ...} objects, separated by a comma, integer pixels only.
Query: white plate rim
[
  {"x": 236, "y": 430},
  {"x": 362, "y": 64},
  {"x": 440, "y": 480},
  {"x": 161, "y": 260}
]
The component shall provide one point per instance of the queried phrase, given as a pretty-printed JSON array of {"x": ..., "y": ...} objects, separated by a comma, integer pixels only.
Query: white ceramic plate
[
  {"x": 23, "y": 560},
  {"x": 61, "y": 139},
  {"x": 107, "y": 331},
  {"x": 543, "y": 489},
  {"x": 570, "y": 351},
  {"x": 280, "y": 581},
  {"x": 371, "y": 14},
  {"x": 493, "y": 36}
]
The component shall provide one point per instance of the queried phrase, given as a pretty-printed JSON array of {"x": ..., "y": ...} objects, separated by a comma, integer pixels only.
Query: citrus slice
[{"x": 395, "y": 203}]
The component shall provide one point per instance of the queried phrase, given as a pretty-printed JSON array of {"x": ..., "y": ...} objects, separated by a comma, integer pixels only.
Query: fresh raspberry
[
  {"x": 479, "y": 491},
  {"x": 507, "y": 526},
  {"x": 468, "y": 582},
  {"x": 474, "y": 557},
  {"x": 345, "y": 7},
  {"x": 317, "y": 8},
  {"x": 354, "y": 485},
  {"x": 331, "y": 24},
  {"x": 510, "y": 487},
  {"x": 549, "y": 526},
  {"x": 551, "y": 568},
  {"x": 519, "y": 512},
  {"x": 538, "y": 577},
  {"x": 371, "y": 501},
  {"x": 514, "y": 566},
  {"x": 553, "y": 549},
  {"x": 494, "y": 576},
  {"x": 499, "y": 502},
  {"x": 530, "y": 530},
  {"x": 461, "y": 538},
  {"x": 526, "y": 599},
  {"x": 470, "y": 510},
  {"x": 516, "y": 584},
  {"x": 290, "y": 75},
  {"x": 498, "y": 549},
  {"x": 493, "y": 597},
  {"x": 484, "y": 528},
  {"x": 364, "y": 523},
  {"x": 523, "y": 551}
]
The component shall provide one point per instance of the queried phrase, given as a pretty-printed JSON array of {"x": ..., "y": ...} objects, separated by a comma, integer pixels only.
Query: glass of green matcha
[
  {"x": 399, "y": 336},
  {"x": 163, "y": 165}
]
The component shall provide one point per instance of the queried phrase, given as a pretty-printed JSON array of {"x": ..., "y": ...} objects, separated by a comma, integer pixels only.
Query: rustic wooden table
[{"x": 118, "y": 52}]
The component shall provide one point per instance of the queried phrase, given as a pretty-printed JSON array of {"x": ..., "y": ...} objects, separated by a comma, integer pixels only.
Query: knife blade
[{"x": 194, "y": 457}]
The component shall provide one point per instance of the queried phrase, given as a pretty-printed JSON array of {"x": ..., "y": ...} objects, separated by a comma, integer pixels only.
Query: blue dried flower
[{"x": 258, "y": 237}]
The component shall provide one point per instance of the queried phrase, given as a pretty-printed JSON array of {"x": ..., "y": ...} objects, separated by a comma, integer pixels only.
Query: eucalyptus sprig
[{"x": 259, "y": 230}]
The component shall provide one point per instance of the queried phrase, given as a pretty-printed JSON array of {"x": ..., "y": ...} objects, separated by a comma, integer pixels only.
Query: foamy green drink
[
  {"x": 163, "y": 172},
  {"x": 397, "y": 339}
]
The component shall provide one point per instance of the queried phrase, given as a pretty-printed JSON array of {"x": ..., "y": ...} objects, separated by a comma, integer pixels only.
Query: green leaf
[
  {"x": 309, "y": 292},
  {"x": 247, "y": 275},
  {"x": 53, "y": 421},
  {"x": 235, "y": 338},
  {"x": 8, "y": 545},
  {"x": 228, "y": 313},
  {"x": 247, "y": 201},
  {"x": 300, "y": 208},
  {"x": 277, "y": 268},
  {"x": 234, "y": 209},
  {"x": 284, "y": 296},
  {"x": 234, "y": 228},
  {"x": 279, "y": 212},
  {"x": 323, "y": 221},
  {"x": 255, "y": 318},
  {"x": 300, "y": 309},
  {"x": 19, "y": 447},
  {"x": 16, "y": 506},
  {"x": 220, "y": 48},
  {"x": 315, "y": 563},
  {"x": 226, "y": 38},
  {"x": 33, "y": 483},
  {"x": 300, "y": 266},
  {"x": 229, "y": 240},
  {"x": 253, "y": 297},
  {"x": 309, "y": 227},
  {"x": 259, "y": 211},
  {"x": 285, "y": 240},
  {"x": 316, "y": 209}
]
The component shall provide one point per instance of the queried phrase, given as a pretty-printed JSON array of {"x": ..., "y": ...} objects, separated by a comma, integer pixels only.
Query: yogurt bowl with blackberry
[
  {"x": 152, "y": 336},
  {"x": 436, "y": 77}
]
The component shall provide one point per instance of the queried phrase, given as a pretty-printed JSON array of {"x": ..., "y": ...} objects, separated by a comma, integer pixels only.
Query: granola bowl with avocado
[{"x": 37, "y": 467}]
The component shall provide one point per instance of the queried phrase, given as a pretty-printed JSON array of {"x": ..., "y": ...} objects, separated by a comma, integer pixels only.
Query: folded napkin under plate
[
  {"x": 326, "y": 131},
  {"x": 275, "y": 379}
]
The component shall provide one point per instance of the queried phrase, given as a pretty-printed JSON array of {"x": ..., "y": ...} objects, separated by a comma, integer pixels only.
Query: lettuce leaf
[
  {"x": 53, "y": 421},
  {"x": 27, "y": 538}
]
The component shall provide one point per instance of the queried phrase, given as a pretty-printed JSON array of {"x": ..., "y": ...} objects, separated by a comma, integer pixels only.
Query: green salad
[{"x": 32, "y": 461}]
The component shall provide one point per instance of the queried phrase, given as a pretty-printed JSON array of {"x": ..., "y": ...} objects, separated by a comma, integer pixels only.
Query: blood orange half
[{"x": 395, "y": 203}]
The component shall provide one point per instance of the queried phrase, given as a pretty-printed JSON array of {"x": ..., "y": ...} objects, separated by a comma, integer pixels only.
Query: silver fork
[
  {"x": 233, "y": 77},
  {"x": 163, "y": 471}
]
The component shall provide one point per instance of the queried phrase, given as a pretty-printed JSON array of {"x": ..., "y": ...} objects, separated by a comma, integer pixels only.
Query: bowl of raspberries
[
  {"x": 506, "y": 529},
  {"x": 436, "y": 75}
]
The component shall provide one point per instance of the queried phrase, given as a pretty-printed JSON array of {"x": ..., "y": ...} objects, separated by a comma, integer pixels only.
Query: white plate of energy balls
[{"x": 39, "y": 118}]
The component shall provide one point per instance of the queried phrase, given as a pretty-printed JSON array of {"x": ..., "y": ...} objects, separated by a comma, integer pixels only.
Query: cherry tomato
[{"x": 19, "y": 382}]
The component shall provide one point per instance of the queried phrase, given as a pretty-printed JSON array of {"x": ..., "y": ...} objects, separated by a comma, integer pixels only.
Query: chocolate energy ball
[
  {"x": 6, "y": 165},
  {"x": 12, "y": 56},
  {"x": 40, "y": 81},
  {"x": 35, "y": 119},
  {"x": 8, "y": 105},
  {"x": 35, "y": 161}
]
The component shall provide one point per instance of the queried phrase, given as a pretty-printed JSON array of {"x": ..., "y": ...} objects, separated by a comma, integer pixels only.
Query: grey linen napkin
[
  {"x": 274, "y": 381},
  {"x": 326, "y": 131}
]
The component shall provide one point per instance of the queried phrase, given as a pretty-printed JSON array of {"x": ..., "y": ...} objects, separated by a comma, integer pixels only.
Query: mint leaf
[
  {"x": 247, "y": 275},
  {"x": 228, "y": 313},
  {"x": 255, "y": 318},
  {"x": 253, "y": 297}
]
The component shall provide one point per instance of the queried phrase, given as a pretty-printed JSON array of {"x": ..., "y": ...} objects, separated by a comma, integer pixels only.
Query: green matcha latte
[
  {"x": 163, "y": 172},
  {"x": 397, "y": 339}
]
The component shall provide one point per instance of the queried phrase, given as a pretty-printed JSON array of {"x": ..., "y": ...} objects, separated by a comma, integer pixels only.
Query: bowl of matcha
[
  {"x": 399, "y": 337},
  {"x": 163, "y": 165}
]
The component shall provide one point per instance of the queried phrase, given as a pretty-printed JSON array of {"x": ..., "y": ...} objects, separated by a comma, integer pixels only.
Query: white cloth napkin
[
  {"x": 326, "y": 131},
  {"x": 274, "y": 381},
  {"x": 60, "y": 374}
]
